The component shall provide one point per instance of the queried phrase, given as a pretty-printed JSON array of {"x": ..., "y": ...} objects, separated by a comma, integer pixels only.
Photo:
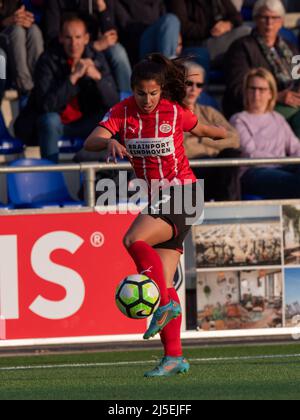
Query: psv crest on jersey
[{"x": 165, "y": 128}]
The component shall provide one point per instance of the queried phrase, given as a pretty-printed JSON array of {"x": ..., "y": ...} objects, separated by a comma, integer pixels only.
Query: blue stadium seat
[
  {"x": 217, "y": 77},
  {"x": 69, "y": 146},
  {"x": 208, "y": 100},
  {"x": 8, "y": 144},
  {"x": 247, "y": 14},
  {"x": 38, "y": 190},
  {"x": 289, "y": 36},
  {"x": 249, "y": 197},
  {"x": 6, "y": 206}
]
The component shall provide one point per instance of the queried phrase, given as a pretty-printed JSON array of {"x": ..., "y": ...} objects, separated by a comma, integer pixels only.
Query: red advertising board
[{"x": 59, "y": 273}]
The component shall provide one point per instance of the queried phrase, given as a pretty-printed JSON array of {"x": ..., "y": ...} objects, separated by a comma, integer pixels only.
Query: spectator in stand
[
  {"x": 265, "y": 134},
  {"x": 145, "y": 28},
  {"x": 24, "y": 42},
  {"x": 103, "y": 32},
  {"x": 208, "y": 26},
  {"x": 217, "y": 181},
  {"x": 73, "y": 89},
  {"x": 264, "y": 48}
]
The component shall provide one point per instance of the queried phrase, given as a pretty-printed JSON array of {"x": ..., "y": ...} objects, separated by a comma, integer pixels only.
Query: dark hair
[
  {"x": 72, "y": 17},
  {"x": 169, "y": 74}
]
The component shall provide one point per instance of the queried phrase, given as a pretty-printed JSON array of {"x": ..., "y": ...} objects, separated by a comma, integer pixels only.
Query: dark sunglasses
[{"x": 189, "y": 83}]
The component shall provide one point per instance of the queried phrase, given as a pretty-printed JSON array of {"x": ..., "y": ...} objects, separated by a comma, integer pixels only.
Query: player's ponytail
[{"x": 169, "y": 74}]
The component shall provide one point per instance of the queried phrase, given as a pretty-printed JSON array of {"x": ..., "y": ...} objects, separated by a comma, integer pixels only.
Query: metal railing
[{"x": 90, "y": 169}]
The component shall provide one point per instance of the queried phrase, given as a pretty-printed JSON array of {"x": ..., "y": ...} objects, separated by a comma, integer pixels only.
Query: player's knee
[{"x": 128, "y": 241}]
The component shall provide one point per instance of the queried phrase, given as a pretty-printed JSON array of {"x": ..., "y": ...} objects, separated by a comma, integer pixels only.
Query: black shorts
[{"x": 174, "y": 216}]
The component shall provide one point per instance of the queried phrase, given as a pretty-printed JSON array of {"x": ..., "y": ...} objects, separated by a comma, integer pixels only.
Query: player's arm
[
  {"x": 101, "y": 139},
  {"x": 209, "y": 131}
]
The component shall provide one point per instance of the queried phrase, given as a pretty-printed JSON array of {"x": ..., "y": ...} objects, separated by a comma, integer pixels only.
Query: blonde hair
[
  {"x": 262, "y": 73},
  {"x": 192, "y": 65}
]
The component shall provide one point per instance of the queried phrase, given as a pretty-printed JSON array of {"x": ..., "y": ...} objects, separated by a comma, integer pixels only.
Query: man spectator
[
  {"x": 145, "y": 27},
  {"x": 24, "y": 42},
  {"x": 103, "y": 32},
  {"x": 73, "y": 89}
]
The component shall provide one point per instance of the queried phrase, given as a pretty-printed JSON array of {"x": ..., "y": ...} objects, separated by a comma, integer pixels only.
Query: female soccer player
[{"x": 151, "y": 125}]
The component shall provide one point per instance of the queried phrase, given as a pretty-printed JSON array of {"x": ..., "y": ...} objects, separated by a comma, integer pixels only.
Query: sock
[
  {"x": 170, "y": 336},
  {"x": 148, "y": 262}
]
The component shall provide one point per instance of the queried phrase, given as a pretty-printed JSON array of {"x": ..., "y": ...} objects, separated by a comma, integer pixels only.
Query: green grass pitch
[{"x": 269, "y": 372}]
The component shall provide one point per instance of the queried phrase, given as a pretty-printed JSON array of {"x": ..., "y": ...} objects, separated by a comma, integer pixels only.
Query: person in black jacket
[
  {"x": 210, "y": 24},
  {"x": 101, "y": 24},
  {"x": 24, "y": 42},
  {"x": 145, "y": 27},
  {"x": 73, "y": 89}
]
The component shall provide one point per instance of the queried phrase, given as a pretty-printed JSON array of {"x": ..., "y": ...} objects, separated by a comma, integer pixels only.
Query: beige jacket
[{"x": 199, "y": 147}]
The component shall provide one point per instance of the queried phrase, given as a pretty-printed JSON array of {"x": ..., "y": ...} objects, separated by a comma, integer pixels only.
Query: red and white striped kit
[{"x": 154, "y": 140}]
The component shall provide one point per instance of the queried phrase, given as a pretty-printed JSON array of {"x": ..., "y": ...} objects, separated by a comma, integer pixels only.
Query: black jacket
[
  {"x": 198, "y": 17},
  {"x": 244, "y": 55},
  {"x": 53, "y": 90},
  {"x": 97, "y": 22}
]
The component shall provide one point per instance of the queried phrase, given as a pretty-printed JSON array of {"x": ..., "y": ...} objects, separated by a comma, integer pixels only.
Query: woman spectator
[
  {"x": 24, "y": 42},
  {"x": 217, "y": 182},
  {"x": 208, "y": 24},
  {"x": 264, "y": 48},
  {"x": 264, "y": 133}
]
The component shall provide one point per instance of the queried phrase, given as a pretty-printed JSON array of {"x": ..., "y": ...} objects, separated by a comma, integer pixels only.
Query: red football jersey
[{"x": 154, "y": 140}]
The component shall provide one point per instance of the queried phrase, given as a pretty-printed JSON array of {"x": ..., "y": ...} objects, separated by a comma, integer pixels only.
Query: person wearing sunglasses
[{"x": 197, "y": 148}]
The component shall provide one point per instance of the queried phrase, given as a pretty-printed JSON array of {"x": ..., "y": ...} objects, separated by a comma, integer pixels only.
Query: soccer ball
[{"x": 137, "y": 297}]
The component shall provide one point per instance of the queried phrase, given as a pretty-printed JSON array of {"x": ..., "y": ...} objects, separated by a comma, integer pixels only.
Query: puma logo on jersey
[{"x": 131, "y": 129}]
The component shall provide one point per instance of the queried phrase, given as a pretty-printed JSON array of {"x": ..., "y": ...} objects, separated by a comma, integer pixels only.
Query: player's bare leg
[{"x": 145, "y": 233}]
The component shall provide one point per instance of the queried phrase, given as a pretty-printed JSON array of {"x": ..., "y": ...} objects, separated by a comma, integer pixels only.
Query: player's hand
[{"x": 115, "y": 150}]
